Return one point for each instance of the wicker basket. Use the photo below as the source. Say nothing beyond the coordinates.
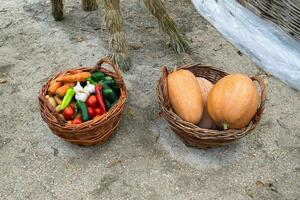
(286, 13)
(193, 135)
(94, 131)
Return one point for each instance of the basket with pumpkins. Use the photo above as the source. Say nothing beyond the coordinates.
(207, 107)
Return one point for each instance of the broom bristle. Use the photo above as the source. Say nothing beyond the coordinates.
(122, 60)
(57, 9)
(114, 21)
(89, 5)
(117, 42)
(167, 25)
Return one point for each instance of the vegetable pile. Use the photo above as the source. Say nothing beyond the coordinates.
(230, 103)
(81, 96)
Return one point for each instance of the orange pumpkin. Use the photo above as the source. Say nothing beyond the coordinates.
(185, 95)
(205, 87)
(233, 101)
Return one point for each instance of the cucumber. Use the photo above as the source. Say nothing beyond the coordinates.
(109, 81)
(116, 89)
(104, 85)
(97, 76)
(107, 104)
(109, 94)
(84, 110)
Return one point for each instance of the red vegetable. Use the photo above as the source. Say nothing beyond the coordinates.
(98, 111)
(92, 101)
(77, 121)
(68, 113)
(100, 98)
(92, 112)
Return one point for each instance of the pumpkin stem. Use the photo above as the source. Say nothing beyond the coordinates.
(225, 126)
(175, 69)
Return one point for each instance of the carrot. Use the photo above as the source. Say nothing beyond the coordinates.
(73, 78)
(54, 85)
(75, 71)
(63, 89)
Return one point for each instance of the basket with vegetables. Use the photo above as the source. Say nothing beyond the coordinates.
(207, 107)
(84, 105)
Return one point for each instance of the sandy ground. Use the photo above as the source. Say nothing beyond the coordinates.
(143, 160)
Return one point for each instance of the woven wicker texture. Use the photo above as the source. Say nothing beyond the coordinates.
(193, 135)
(94, 131)
(286, 13)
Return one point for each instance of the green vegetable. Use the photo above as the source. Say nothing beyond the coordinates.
(116, 100)
(97, 76)
(84, 111)
(104, 85)
(75, 109)
(91, 81)
(67, 98)
(116, 89)
(107, 104)
(109, 81)
(109, 94)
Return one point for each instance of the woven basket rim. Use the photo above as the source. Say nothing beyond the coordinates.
(193, 131)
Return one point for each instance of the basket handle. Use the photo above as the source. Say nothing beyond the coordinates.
(262, 96)
(108, 61)
(59, 119)
(165, 89)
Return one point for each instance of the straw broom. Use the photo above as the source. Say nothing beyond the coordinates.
(89, 5)
(117, 42)
(57, 9)
(166, 23)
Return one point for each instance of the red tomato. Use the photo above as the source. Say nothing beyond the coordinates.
(92, 101)
(68, 113)
(91, 112)
(77, 121)
(98, 111)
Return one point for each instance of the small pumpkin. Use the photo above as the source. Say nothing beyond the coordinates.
(233, 101)
(185, 95)
(205, 87)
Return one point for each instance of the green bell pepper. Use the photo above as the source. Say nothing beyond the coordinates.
(97, 76)
(67, 98)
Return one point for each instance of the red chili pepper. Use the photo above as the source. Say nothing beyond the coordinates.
(100, 97)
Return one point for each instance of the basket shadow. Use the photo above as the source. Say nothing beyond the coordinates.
(212, 158)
